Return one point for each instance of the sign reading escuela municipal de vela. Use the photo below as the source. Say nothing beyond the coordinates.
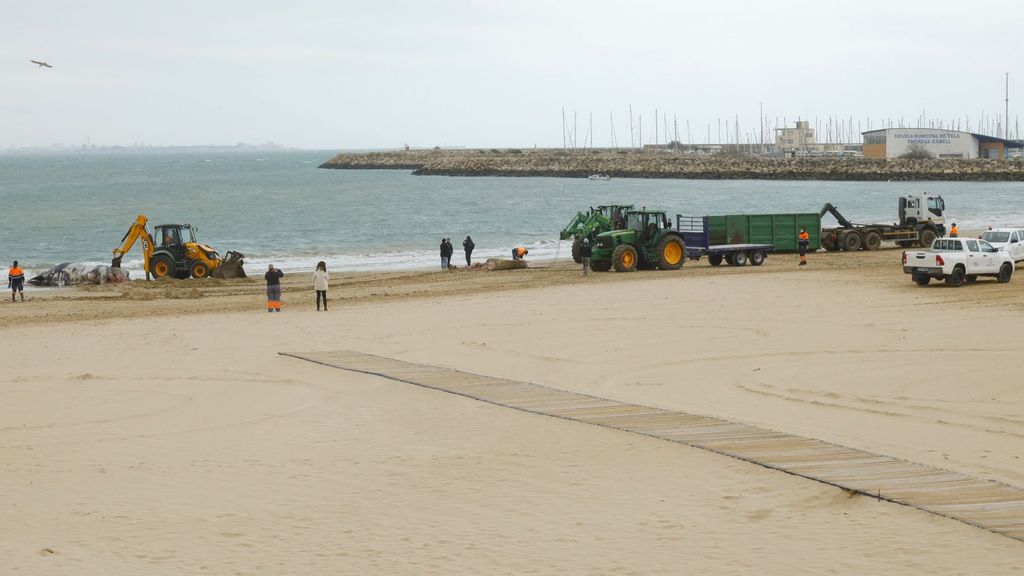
(939, 143)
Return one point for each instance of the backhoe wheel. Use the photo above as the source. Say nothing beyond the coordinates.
(1005, 271)
(161, 266)
(670, 253)
(624, 258)
(922, 279)
(714, 259)
(926, 237)
(600, 265)
(957, 278)
(851, 242)
(757, 258)
(199, 269)
(872, 241)
(738, 258)
(577, 246)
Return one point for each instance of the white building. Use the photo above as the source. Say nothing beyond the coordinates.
(897, 142)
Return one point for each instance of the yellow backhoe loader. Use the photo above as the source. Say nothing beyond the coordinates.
(177, 255)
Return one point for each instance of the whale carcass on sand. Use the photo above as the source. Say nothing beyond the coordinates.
(70, 273)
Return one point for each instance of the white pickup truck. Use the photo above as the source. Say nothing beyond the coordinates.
(958, 260)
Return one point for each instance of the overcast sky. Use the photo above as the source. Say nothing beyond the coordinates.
(345, 74)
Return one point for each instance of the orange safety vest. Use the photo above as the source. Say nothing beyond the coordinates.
(954, 232)
(805, 236)
(521, 251)
(16, 273)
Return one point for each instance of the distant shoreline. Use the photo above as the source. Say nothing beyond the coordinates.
(633, 164)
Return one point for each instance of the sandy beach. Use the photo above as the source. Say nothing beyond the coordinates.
(154, 428)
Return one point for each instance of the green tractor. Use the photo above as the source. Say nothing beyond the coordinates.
(593, 222)
(647, 241)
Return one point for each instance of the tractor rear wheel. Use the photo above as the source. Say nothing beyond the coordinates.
(199, 269)
(872, 241)
(670, 253)
(600, 265)
(161, 266)
(714, 259)
(625, 258)
(851, 242)
(577, 245)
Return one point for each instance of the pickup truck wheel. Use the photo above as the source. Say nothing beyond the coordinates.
(957, 278)
(714, 259)
(971, 278)
(922, 279)
(1005, 271)
(872, 241)
(851, 242)
(756, 258)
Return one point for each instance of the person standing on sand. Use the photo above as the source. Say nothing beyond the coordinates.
(802, 244)
(320, 279)
(468, 246)
(585, 256)
(273, 278)
(16, 281)
(444, 254)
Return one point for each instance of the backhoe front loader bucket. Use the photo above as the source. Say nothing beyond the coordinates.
(231, 266)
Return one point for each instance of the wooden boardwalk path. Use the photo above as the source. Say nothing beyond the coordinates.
(986, 504)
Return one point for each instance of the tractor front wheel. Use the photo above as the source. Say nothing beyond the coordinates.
(670, 253)
(577, 245)
(624, 258)
(199, 269)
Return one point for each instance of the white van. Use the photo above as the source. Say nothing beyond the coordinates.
(1009, 240)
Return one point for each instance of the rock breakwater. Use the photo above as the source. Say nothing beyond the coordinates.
(633, 164)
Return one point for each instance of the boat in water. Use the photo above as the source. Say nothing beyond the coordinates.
(599, 177)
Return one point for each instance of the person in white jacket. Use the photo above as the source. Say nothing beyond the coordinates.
(320, 279)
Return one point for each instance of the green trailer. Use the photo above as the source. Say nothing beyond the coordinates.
(780, 230)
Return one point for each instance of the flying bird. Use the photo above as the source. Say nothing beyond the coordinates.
(41, 64)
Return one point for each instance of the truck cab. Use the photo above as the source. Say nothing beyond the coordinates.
(922, 208)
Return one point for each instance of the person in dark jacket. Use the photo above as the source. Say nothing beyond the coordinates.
(585, 252)
(273, 278)
(444, 254)
(468, 246)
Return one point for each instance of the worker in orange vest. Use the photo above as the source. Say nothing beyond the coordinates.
(16, 281)
(954, 232)
(519, 252)
(805, 241)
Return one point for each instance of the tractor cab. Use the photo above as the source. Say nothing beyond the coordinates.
(647, 223)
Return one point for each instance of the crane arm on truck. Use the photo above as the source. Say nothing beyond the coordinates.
(828, 208)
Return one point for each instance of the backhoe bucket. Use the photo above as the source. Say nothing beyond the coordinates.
(231, 266)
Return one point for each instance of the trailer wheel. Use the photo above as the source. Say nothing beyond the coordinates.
(577, 246)
(1005, 271)
(957, 278)
(714, 259)
(738, 258)
(851, 242)
(922, 279)
(926, 237)
(757, 257)
(872, 241)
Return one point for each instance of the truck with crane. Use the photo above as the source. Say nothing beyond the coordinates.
(921, 221)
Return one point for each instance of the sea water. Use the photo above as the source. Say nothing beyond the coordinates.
(278, 207)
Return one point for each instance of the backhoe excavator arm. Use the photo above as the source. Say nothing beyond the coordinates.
(134, 233)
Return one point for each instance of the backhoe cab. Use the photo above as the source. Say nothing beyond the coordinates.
(174, 251)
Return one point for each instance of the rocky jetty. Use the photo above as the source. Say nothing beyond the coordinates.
(633, 164)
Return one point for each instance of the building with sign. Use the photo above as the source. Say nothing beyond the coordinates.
(897, 142)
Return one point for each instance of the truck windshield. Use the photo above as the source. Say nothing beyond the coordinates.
(996, 236)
